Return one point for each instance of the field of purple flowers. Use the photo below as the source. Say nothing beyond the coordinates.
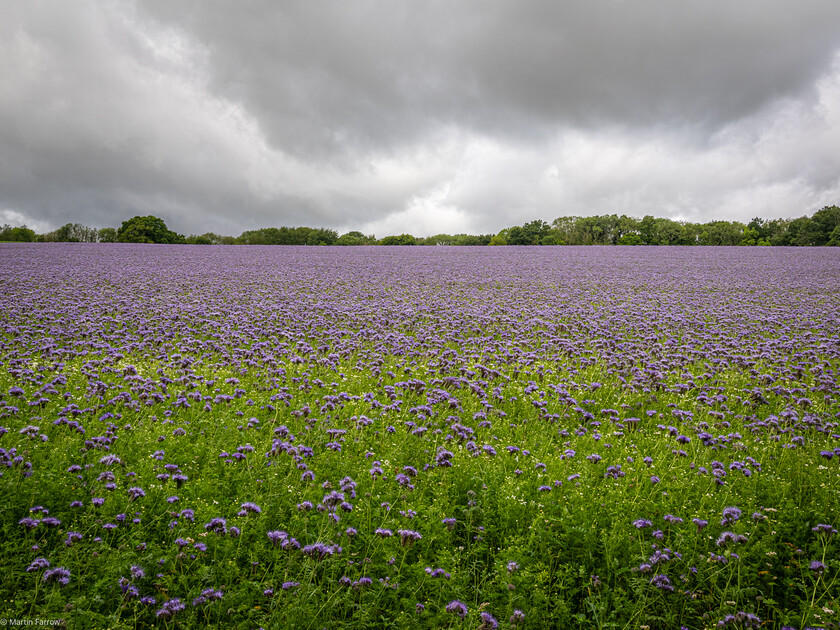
(384, 437)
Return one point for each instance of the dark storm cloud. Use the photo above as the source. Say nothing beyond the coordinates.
(415, 116)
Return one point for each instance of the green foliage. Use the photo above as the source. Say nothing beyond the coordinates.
(148, 229)
(289, 236)
(20, 234)
(72, 233)
(107, 235)
(630, 239)
(402, 239)
(356, 238)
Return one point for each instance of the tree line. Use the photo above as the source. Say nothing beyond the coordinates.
(823, 228)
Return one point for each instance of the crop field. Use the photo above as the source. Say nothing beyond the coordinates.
(397, 437)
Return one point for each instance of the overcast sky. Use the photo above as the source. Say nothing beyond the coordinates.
(409, 116)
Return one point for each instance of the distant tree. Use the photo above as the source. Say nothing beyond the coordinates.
(798, 232)
(834, 241)
(355, 238)
(107, 235)
(402, 239)
(823, 223)
(722, 233)
(647, 230)
(531, 233)
(630, 239)
(500, 238)
(148, 229)
(473, 239)
(20, 234)
(72, 233)
(553, 238)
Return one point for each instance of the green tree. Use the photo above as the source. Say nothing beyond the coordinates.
(630, 239)
(402, 239)
(107, 235)
(20, 234)
(356, 238)
(148, 229)
(823, 224)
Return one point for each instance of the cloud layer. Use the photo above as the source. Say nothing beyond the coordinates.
(415, 117)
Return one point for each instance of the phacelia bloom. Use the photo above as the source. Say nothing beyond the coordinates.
(289, 585)
(517, 617)
(72, 537)
(218, 525)
(512, 566)
(450, 523)
(137, 572)
(276, 536)
(251, 507)
(817, 567)
(488, 622)
(38, 564)
(136, 493)
(419, 607)
(383, 533)
(654, 479)
(351, 531)
(672, 519)
(168, 610)
(700, 523)
(29, 523)
(822, 528)
(662, 582)
(58, 574)
(642, 523)
(730, 537)
(594, 458)
(409, 536)
(730, 515)
(457, 608)
(98, 501)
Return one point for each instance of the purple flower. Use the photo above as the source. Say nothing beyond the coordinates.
(38, 564)
(276, 536)
(136, 493)
(730, 515)
(218, 525)
(488, 622)
(409, 536)
(662, 582)
(457, 608)
(642, 523)
(251, 507)
(58, 574)
(817, 567)
(168, 610)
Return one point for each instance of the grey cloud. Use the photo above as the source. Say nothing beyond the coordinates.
(415, 116)
(368, 75)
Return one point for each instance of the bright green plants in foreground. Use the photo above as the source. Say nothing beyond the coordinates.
(309, 439)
